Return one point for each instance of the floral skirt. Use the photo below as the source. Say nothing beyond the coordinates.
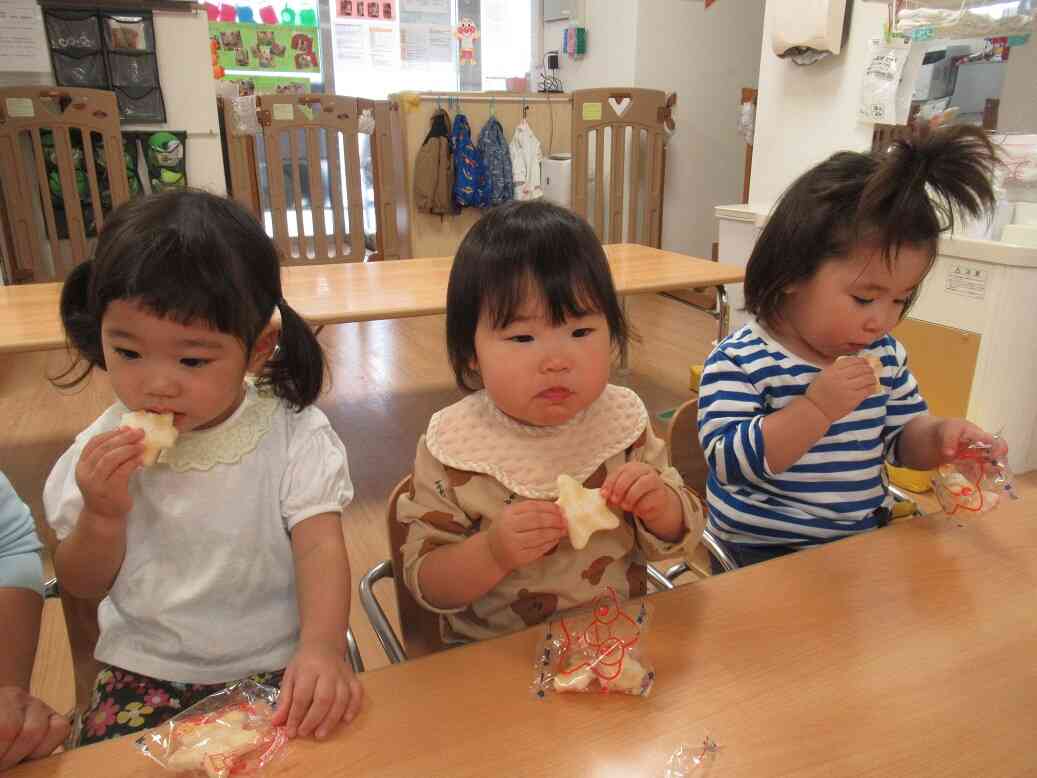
(125, 703)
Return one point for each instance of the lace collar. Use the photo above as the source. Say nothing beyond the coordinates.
(227, 443)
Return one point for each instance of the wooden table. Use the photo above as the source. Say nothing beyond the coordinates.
(334, 294)
(907, 651)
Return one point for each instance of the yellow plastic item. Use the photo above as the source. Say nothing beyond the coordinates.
(917, 481)
(902, 508)
(696, 377)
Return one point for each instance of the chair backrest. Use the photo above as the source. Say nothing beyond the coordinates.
(682, 439)
(61, 171)
(308, 152)
(619, 158)
(418, 626)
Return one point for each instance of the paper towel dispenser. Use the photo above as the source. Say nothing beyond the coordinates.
(807, 30)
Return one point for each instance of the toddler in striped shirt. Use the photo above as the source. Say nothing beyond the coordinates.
(800, 409)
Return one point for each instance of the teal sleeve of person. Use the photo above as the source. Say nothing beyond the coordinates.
(20, 564)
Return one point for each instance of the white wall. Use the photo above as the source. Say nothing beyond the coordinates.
(1018, 110)
(185, 72)
(808, 112)
(611, 43)
(706, 57)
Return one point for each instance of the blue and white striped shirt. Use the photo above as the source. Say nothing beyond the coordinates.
(837, 487)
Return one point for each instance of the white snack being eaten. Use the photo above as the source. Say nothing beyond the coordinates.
(874, 363)
(585, 510)
(159, 432)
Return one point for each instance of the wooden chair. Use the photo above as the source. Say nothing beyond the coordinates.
(420, 627)
(686, 455)
(310, 149)
(43, 242)
(608, 125)
(619, 164)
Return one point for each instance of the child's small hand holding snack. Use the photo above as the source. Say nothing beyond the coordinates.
(104, 470)
(842, 386)
(638, 488)
(525, 532)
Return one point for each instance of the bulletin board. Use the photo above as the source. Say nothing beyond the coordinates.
(260, 48)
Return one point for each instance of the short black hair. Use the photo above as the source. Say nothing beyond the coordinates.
(905, 195)
(191, 256)
(518, 247)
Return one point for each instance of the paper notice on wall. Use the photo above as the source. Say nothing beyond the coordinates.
(421, 44)
(433, 7)
(23, 41)
(440, 43)
(385, 53)
(350, 48)
(967, 281)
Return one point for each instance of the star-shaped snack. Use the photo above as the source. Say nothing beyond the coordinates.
(585, 510)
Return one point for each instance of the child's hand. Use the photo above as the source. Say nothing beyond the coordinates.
(638, 488)
(525, 532)
(104, 470)
(841, 387)
(318, 691)
(955, 434)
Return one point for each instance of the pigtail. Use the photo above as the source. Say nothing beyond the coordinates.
(82, 328)
(922, 181)
(296, 370)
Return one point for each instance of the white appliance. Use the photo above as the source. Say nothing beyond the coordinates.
(934, 77)
(556, 175)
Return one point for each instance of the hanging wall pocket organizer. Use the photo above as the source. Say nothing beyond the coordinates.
(76, 49)
(109, 50)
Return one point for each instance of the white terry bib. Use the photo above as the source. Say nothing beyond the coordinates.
(475, 435)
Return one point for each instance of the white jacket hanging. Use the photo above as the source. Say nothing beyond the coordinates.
(525, 162)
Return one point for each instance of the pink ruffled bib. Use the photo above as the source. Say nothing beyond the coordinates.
(474, 435)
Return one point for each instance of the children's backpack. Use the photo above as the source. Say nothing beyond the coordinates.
(433, 171)
(497, 158)
(471, 185)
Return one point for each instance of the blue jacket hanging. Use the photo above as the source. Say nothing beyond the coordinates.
(471, 184)
(497, 158)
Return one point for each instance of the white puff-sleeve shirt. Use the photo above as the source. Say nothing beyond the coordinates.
(206, 591)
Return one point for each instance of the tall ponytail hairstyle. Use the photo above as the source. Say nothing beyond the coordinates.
(906, 195)
(191, 256)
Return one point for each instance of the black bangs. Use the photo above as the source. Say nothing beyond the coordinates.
(903, 196)
(567, 289)
(177, 263)
(522, 253)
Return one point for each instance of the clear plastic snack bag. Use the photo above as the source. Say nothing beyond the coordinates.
(688, 759)
(228, 733)
(974, 482)
(596, 650)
